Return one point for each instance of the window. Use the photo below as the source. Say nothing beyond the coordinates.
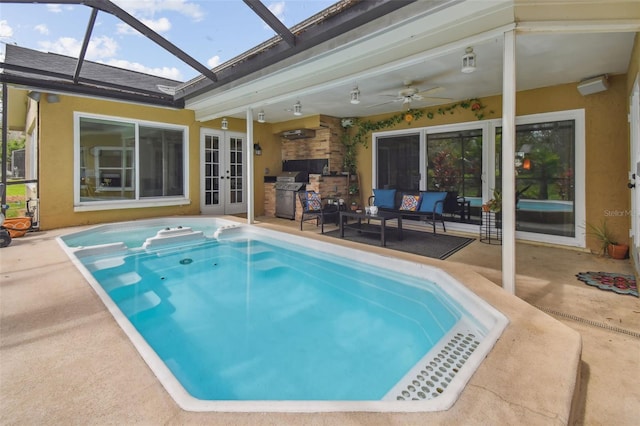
(121, 162)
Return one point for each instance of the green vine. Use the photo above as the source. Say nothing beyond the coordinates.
(365, 127)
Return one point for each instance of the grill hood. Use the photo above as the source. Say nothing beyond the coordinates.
(298, 134)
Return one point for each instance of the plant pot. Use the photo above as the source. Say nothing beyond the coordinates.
(485, 208)
(618, 251)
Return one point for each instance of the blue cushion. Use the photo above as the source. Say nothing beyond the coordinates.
(428, 199)
(384, 198)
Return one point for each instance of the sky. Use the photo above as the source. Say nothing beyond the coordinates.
(211, 31)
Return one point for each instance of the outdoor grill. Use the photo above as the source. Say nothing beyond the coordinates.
(287, 186)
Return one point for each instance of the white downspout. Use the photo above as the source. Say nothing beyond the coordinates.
(508, 167)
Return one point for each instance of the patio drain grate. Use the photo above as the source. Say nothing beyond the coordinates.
(434, 376)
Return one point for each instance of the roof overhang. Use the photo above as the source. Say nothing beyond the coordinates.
(410, 34)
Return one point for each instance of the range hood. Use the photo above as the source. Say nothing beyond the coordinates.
(298, 134)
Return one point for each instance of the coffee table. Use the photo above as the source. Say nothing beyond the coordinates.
(367, 227)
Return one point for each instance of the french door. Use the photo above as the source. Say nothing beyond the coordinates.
(223, 172)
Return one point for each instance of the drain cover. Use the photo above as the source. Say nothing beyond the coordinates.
(186, 261)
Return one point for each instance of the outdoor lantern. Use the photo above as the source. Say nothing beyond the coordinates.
(526, 164)
(225, 124)
(257, 149)
(297, 108)
(355, 96)
(469, 61)
(261, 117)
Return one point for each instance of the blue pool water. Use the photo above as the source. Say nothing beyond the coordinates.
(134, 234)
(245, 315)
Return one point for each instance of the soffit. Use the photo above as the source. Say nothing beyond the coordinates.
(412, 35)
(427, 50)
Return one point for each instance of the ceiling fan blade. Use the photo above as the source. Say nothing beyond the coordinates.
(431, 91)
(382, 103)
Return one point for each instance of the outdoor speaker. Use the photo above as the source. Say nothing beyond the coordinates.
(593, 85)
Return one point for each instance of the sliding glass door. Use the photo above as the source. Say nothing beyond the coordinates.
(465, 160)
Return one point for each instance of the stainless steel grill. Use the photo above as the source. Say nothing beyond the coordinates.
(287, 186)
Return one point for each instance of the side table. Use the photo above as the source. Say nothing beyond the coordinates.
(491, 228)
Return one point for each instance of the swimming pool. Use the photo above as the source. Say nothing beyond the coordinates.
(381, 318)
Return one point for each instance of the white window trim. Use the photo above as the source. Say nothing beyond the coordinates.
(488, 128)
(80, 206)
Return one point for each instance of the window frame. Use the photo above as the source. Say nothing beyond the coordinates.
(137, 201)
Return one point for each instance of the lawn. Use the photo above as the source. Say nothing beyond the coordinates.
(16, 197)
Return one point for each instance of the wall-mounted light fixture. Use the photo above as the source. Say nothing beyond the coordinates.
(52, 98)
(297, 108)
(35, 96)
(355, 95)
(261, 117)
(225, 124)
(257, 149)
(469, 61)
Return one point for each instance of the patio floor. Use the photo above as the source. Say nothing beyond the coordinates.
(63, 359)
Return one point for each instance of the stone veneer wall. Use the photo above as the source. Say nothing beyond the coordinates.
(325, 144)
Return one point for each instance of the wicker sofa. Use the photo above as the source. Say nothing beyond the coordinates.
(426, 206)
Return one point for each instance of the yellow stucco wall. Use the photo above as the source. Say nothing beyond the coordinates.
(56, 160)
(607, 144)
(607, 151)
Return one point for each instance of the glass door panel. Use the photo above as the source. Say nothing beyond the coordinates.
(398, 162)
(454, 164)
(545, 182)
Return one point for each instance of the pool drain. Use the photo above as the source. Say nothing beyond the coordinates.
(186, 261)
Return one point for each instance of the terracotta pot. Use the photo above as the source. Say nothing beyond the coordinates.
(485, 208)
(617, 251)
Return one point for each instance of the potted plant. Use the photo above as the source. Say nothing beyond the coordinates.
(608, 242)
(495, 203)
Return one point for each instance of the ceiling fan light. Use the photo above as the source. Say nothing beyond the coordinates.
(355, 96)
(468, 61)
(261, 117)
(297, 108)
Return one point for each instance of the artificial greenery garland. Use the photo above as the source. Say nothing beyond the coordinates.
(408, 116)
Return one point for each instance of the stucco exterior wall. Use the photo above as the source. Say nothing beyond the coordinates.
(606, 128)
(56, 161)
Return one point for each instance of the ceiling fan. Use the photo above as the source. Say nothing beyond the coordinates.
(411, 93)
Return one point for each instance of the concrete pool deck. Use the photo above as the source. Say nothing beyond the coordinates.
(63, 358)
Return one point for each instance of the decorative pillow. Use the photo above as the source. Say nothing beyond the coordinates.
(384, 198)
(410, 202)
(314, 202)
(429, 199)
